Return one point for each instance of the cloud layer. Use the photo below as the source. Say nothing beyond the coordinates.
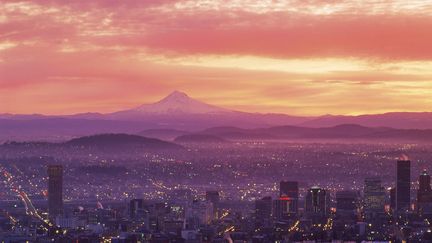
(299, 57)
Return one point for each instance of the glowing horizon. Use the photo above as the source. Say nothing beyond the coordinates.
(294, 57)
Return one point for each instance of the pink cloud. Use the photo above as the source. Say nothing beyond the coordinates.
(382, 37)
(160, 27)
(76, 54)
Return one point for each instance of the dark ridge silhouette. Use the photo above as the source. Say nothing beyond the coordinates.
(121, 140)
(180, 112)
(238, 133)
(26, 144)
(340, 131)
(163, 134)
(345, 132)
(400, 120)
(224, 134)
(199, 138)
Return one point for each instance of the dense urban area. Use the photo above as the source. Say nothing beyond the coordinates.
(216, 192)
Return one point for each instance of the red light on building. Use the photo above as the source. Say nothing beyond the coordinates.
(286, 198)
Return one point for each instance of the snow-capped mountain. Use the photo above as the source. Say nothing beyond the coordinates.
(180, 112)
(175, 111)
(179, 102)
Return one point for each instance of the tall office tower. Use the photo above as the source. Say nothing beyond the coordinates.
(403, 185)
(285, 208)
(346, 203)
(263, 212)
(136, 207)
(317, 202)
(55, 190)
(424, 186)
(289, 195)
(424, 193)
(198, 213)
(289, 188)
(374, 196)
(213, 197)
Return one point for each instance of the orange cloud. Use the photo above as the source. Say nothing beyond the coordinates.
(301, 57)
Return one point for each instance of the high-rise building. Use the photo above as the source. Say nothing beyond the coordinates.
(317, 201)
(424, 193)
(287, 204)
(136, 206)
(424, 186)
(288, 189)
(198, 213)
(403, 185)
(346, 203)
(374, 196)
(285, 208)
(263, 211)
(55, 191)
(213, 197)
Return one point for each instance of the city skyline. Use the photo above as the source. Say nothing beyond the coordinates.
(326, 213)
(215, 121)
(292, 57)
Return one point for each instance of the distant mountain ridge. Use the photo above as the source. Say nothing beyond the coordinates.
(164, 134)
(347, 132)
(178, 111)
(199, 138)
(405, 120)
(121, 140)
(107, 141)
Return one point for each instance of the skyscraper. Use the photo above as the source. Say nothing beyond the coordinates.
(198, 213)
(424, 193)
(374, 196)
(288, 197)
(424, 185)
(213, 197)
(55, 190)
(285, 208)
(136, 207)
(289, 188)
(403, 185)
(263, 211)
(317, 202)
(346, 203)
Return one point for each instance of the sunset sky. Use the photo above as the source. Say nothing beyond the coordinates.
(301, 57)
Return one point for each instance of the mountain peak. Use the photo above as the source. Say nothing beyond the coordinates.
(176, 96)
(179, 102)
(177, 93)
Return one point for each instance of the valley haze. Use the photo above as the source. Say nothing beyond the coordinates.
(178, 114)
